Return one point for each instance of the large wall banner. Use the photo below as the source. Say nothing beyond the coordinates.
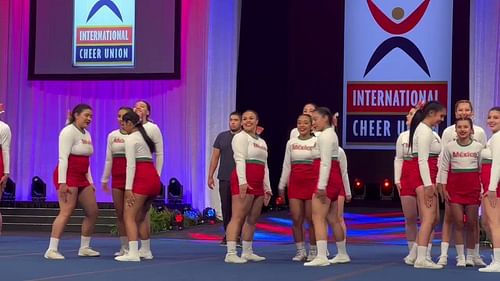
(103, 33)
(396, 53)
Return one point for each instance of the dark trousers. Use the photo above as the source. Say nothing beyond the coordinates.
(225, 200)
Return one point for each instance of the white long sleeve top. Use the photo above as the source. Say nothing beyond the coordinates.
(76, 142)
(156, 136)
(115, 147)
(402, 152)
(425, 143)
(297, 151)
(343, 171)
(247, 148)
(494, 147)
(135, 148)
(460, 158)
(5, 139)
(327, 149)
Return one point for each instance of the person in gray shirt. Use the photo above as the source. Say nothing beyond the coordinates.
(223, 151)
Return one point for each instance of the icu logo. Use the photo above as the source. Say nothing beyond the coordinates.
(397, 29)
(108, 3)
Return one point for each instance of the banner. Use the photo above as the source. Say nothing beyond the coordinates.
(396, 53)
(103, 34)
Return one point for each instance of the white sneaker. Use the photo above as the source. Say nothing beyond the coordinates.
(340, 258)
(123, 251)
(410, 260)
(147, 255)
(300, 256)
(128, 257)
(88, 252)
(51, 254)
(312, 255)
(478, 261)
(318, 261)
(493, 267)
(233, 258)
(425, 263)
(253, 257)
(443, 260)
(461, 261)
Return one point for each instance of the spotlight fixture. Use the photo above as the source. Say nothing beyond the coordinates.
(175, 191)
(358, 189)
(38, 189)
(386, 190)
(209, 215)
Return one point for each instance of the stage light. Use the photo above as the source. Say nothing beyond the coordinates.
(38, 189)
(9, 193)
(209, 215)
(179, 221)
(280, 201)
(386, 190)
(175, 191)
(193, 214)
(359, 189)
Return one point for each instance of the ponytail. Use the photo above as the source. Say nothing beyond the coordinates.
(420, 114)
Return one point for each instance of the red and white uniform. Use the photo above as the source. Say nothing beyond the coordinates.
(5, 138)
(346, 186)
(297, 172)
(425, 151)
(459, 170)
(326, 164)
(155, 134)
(402, 164)
(116, 162)
(75, 148)
(490, 165)
(142, 177)
(250, 156)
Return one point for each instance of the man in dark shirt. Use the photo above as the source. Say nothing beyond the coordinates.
(223, 151)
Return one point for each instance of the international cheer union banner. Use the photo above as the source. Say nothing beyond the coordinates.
(396, 53)
(103, 33)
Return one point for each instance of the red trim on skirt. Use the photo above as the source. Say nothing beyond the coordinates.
(485, 178)
(464, 188)
(405, 181)
(334, 184)
(146, 179)
(118, 172)
(302, 183)
(255, 179)
(76, 175)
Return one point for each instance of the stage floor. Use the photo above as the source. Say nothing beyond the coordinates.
(376, 245)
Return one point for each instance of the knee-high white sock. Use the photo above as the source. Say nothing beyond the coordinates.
(133, 248)
(85, 242)
(54, 243)
(444, 248)
(247, 248)
(322, 245)
(146, 245)
(341, 248)
(231, 247)
(421, 253)
(476, 250)
(460, 250)
(471, 252)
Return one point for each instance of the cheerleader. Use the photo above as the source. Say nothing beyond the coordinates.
(326, 168)
(142, 182)
(250, 187)
(115, 166)
(407, 193)
(463, 109)
(298, 175)
(307, 110)
(425, 147)
(74, 182)
(5, 138)
(336, 219)
(143, 109)
(491, 187)
(459, 173)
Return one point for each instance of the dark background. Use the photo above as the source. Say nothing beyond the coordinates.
(291, 53)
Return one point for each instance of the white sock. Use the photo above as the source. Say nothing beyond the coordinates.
(124, 242)
(313, 248)
(54, 243)
(413, 251)
(322, 245)
(429, 250)
(471, 252)
(85, 242)
(247, 248)
(410, 245)
(300, 246)
(146, 245)
(496, 254)
(476, 250)
(421, 253)
(444, 248)
(133, 248)
(460, 250)
(341, 248)
(231, 247)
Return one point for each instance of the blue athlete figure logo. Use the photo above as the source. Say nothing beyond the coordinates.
(101, 3)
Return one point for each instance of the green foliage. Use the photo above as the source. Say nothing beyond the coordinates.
(160, 220)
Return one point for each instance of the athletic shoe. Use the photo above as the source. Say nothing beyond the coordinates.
(493, 267)
(340, 258)
(312, 254)
(426, 264)
(410, 260)
(461, 261)
(478, 261)
(51, 254)
(301, 255)
(147, 255)
(128, 257)
(443, 260)
(123, 251)
(233, 258)
(253, 257)
(318, 261)
(88, 252)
